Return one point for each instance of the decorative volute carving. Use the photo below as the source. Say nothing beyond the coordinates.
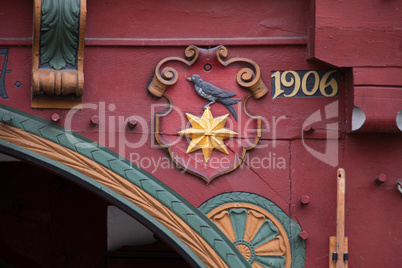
(248, 78)
(167, 77)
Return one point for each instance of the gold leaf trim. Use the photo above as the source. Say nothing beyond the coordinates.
(240, 158)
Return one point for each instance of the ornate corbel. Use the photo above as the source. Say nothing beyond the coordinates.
(58, 53)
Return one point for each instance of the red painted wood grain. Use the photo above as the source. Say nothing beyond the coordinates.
(125, 41)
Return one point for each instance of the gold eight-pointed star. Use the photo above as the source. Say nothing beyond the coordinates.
(207, 133)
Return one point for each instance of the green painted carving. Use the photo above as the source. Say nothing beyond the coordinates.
(272, 262)
(59, 28)
(266, 233)
(238, 218)
(111, 160)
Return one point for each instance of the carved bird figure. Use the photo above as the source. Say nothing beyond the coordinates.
(214, 94)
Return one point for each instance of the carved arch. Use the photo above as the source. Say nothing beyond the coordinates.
(102, 171)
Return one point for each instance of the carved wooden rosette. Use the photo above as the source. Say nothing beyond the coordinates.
(256, 233)
(166, 77)
(58, 53)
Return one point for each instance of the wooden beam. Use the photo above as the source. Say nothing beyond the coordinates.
(339, 245)
(340, 218)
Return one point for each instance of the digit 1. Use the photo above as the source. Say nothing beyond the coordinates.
(277, 88)
(295, 81)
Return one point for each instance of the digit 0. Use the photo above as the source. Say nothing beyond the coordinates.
(316, 82)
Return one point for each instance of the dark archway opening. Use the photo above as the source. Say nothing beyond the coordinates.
(49, 221)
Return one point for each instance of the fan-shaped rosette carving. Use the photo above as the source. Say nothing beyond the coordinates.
(257, 234)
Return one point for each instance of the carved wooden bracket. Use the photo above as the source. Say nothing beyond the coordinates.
(58, 53)
(247, 78)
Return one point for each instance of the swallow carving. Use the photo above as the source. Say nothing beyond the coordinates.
(214, 94)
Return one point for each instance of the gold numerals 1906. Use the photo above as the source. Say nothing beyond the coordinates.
(287, 84)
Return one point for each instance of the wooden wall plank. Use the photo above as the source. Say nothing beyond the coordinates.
(355, 13)
(350, 47)
(198, 19)
(389, 76)
(349, 33)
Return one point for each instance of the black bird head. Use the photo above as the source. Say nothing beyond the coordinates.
(195, 78)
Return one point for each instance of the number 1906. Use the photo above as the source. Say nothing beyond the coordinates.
(287, 84)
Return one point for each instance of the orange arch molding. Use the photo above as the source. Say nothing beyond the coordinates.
(100, 170)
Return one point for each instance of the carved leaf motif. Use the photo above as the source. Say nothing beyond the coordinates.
(274, 247)
(238, 218)
(58, 44)
(267, 232)
(222, 220)
(254, 222)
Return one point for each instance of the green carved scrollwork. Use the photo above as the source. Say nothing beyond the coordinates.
(59, 27)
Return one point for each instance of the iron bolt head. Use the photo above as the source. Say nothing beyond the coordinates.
(95, 120)
(55, 117)
(132, 123)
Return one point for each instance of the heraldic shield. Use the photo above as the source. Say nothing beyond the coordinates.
(205, 125)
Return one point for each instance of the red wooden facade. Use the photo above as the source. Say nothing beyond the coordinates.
(305, 138)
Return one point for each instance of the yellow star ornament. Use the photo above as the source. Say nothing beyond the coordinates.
(207, 133)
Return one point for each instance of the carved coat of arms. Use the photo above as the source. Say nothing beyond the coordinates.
(205, 126)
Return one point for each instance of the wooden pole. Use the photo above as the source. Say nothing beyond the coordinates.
(340, 218)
